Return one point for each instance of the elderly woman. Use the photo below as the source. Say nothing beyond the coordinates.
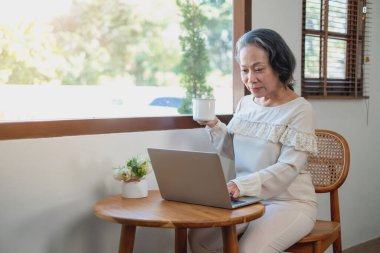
(269, 139)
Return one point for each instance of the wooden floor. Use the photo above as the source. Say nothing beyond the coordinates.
(372, 246)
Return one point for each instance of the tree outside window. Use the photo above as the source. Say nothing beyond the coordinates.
(111, 58)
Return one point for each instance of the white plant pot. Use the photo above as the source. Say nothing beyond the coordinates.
(134, 189)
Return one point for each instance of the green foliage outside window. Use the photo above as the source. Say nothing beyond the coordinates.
(101, 40)
(195, 62)
(96, 41)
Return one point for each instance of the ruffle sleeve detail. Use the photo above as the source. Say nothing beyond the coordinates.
(301, 141)
(260, 130)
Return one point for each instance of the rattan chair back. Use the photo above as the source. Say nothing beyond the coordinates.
(329, 169)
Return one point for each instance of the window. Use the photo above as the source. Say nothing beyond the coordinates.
(98, 125)
(333, 48)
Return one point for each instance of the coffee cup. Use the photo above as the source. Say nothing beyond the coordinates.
(203, 109)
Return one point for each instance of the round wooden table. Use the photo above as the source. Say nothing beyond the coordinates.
(153, 211)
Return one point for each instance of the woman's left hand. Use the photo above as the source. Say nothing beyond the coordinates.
(233, 190)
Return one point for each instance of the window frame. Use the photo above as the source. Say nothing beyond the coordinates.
(58, 128)
(352, 77)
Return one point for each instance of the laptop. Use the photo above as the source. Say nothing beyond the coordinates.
(193, 177)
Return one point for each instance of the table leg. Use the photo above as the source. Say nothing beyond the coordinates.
(127, 238)
(180, 240)
(230, 241)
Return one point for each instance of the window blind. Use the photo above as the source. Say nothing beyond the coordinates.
(334, 48)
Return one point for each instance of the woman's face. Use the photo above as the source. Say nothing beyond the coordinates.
(257, 74)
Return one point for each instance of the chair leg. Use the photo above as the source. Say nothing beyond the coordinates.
(337, 245)
(317, 247)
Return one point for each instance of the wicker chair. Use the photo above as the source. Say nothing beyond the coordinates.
(329, 169)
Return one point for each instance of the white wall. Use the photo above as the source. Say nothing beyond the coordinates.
(48, 186)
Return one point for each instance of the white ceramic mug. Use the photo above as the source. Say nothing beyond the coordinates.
(203, 109)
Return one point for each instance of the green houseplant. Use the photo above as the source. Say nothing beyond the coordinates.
(132, 175)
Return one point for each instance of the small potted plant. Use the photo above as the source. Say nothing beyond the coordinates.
(132, 175)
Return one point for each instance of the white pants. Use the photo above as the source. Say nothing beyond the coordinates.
(282, 225)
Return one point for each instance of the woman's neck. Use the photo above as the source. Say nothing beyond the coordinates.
(281, 97)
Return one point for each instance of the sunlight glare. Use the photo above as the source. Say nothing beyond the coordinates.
(12, 12)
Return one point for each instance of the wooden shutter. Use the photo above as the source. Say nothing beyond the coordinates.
(333, 48)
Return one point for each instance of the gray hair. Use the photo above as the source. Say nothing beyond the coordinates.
(281, 58)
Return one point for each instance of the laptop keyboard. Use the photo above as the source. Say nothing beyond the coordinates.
(234, 202)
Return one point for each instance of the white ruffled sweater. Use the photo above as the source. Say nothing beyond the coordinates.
(270, 146)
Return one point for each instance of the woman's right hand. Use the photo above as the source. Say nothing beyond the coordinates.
(233, 190)
(209, 123)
